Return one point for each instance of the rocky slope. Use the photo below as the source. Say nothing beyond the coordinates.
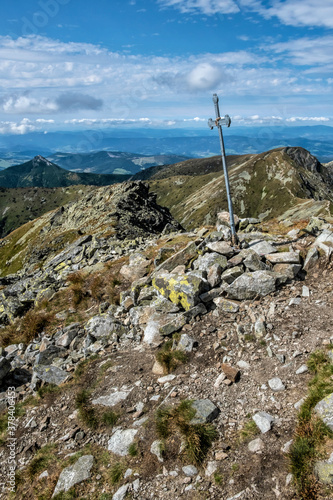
(161, 365)
(267, 185)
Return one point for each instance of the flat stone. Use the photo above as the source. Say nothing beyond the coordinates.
(121, 440)
(211, 468)
(50, 374)
(256, 445)
(190, 470)
(311, 258)
(283, 258)
(325, 410)
(167, 378)
(74, 474)
(183, 257)
(221, 247)
(262, 247)
(111, 399)
(276, 384)
(206, 411)
(225, 305)
(302, 369)
(232, 373)
(289, 270)
(263, 421)
(252, 285)
(243, 365)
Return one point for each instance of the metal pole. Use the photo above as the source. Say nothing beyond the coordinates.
(225, 170)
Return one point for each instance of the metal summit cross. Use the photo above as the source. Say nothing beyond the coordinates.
(218, 123)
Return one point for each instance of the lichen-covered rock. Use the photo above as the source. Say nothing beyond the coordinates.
(226, 305)
(206, 261)
(252, 262)
(250, 285)
(324, 472)
(74, 474)
(183, 290)
(289, 270)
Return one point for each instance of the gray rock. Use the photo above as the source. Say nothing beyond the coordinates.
(251, 285)
(199, 309)
(49, 354)
(263, 421)
(112, 399)
(183, 257)
(302, 369)
(190, 470)
(276, 384)
(206, 261)
(50, 374)
(262, 247)
(121, 492)
(206, 411)
(121, 440)
(69, 333)
(324, 410)
(74, 474)
(156, 449)
(166, 378)
(186, 343)
(183, 290)
(253, 262)
(211, 467)
(231, 274)
(5, 367)
(259, 329)
(255, 445)
(103, 326)
(289, 270)
(283, 258)
(214, 275)
(221, 247)
(311, 258)
(225, 305)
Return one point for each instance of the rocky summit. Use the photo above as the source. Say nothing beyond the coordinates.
(140, 360)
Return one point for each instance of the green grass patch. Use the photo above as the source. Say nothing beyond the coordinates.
(86, 411)
(110, 418)
(133, 449)
(117, 471)
(43, 458)
(198, 437)
(249, 431)
(311, 433)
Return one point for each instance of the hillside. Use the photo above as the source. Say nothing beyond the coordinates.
(265, 185)
(153, 363)
(40, 172)
(111, 162)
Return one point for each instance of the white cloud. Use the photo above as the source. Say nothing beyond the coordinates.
(294, 119)
(302, 12)
(307, 51)
(207, 7)
(22, 127)
(204, 77)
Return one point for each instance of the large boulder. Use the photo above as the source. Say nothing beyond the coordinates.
(252, 285)
(206, 261)
(103, 326)
(181, 289)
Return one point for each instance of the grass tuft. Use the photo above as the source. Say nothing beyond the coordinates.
(86, 412)
(198, 437)
(170, 358)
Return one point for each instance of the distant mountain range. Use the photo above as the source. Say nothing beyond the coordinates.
(191, 143)
(40, 172)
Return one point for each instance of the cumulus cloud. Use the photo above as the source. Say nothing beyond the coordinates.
(18, 128)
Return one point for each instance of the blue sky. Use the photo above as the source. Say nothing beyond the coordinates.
(78, 64)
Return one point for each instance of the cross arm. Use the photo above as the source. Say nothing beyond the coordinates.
(219, 122)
